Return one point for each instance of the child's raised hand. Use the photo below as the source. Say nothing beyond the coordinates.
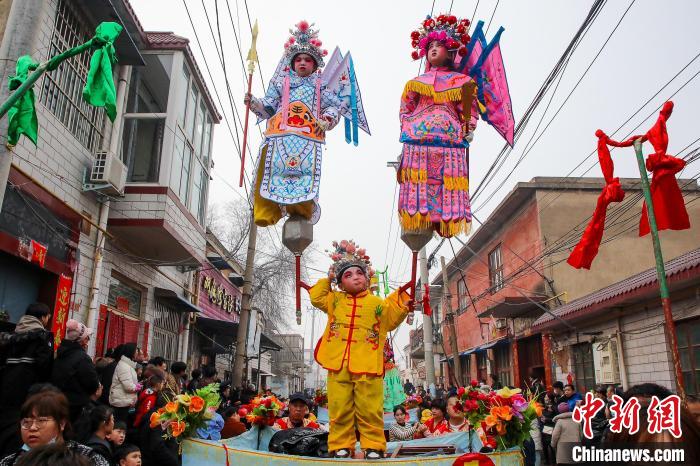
(247, 98)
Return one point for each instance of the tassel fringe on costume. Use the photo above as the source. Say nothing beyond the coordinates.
(446, 229)
(450, 95)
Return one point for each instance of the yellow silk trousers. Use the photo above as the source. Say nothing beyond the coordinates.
(267, 212)
(355, 400)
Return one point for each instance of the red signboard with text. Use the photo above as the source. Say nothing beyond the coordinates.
(218, 298)
(61, 308)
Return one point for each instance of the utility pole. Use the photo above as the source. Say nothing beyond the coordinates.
(661, 273)
(450, 318)
(427, 326)
(241, 340)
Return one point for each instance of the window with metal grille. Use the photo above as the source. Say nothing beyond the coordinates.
(689, 350)
(166, 329)
(583, 367)
(62, 89)
(496, 269)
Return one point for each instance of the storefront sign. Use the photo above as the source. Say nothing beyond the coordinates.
(38, 253)
(219, 296)
(61, 308)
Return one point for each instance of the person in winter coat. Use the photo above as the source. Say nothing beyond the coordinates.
(148, 398)
(101, 425)
(566, 431)
(73, 370)
(125, 384)
(26, 357)
(156, 450)
(536, 437)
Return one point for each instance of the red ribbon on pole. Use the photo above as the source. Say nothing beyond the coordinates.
(667, 198)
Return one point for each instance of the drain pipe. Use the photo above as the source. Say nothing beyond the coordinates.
(94, 292)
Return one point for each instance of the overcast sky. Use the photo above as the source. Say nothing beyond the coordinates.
(653, 42)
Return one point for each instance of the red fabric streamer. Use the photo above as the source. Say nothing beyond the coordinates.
(426, 301)
(669, 206)
(585, 251)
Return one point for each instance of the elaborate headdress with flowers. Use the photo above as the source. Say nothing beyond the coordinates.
(347, 254)
(304, 40)
(447, 29)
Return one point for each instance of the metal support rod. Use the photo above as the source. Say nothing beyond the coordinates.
(660, 272)
(241, 345)
(427, 326)
(449, 316)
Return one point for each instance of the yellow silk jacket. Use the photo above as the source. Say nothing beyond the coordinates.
(356, 328)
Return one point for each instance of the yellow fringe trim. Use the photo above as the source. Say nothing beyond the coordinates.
(445, 229)
(413, 175)
(449, 229)
(460, 183)
(414, 222)
(450, 95)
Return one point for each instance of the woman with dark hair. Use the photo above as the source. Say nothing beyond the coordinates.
(436, 425)
(44, 421)
(401, 429)
(53, 455)
(101, 425)
(125, 383)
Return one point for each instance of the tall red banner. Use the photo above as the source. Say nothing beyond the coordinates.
(61, 308)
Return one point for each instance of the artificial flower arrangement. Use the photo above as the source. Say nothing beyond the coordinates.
(413, 401)
(321, 398)
(449, 30)
(264, 410)
(505, 415)
(183, 415)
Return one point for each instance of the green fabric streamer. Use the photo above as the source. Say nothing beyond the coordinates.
(22, 115)
(99, 89)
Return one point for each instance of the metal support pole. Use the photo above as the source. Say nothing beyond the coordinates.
(241, 342)
(660, 272)
(449, 316)
(427, 327)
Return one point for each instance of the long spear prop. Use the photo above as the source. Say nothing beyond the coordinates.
(252, 58)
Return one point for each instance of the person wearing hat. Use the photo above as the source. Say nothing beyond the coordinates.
(299, 407)
(351, 349)
(73, 370)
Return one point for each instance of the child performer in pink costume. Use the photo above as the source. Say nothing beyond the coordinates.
(438, 117)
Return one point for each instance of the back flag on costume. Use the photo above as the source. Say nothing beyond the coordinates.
(484, 63)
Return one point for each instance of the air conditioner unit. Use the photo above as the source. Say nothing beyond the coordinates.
(110, 171)
(500, 324)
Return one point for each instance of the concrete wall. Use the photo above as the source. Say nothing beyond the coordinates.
(646, 353)
(626, 255)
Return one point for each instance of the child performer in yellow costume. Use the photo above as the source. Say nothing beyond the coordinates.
(351, 349)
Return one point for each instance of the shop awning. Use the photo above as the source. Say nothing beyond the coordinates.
(493, 344)
(513, 306)
(223, 334)
(174, 301)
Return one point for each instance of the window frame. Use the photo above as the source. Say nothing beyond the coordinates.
(198, 144)
(495, 261)
(687, 348)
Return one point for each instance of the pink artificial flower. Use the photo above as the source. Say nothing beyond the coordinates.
(291, 40)
(344, 244)
(303, 25)
(361, 252)
(351, 248)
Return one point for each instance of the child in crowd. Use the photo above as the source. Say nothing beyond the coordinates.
(128, 455)
(147, 398)
(118, 434)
